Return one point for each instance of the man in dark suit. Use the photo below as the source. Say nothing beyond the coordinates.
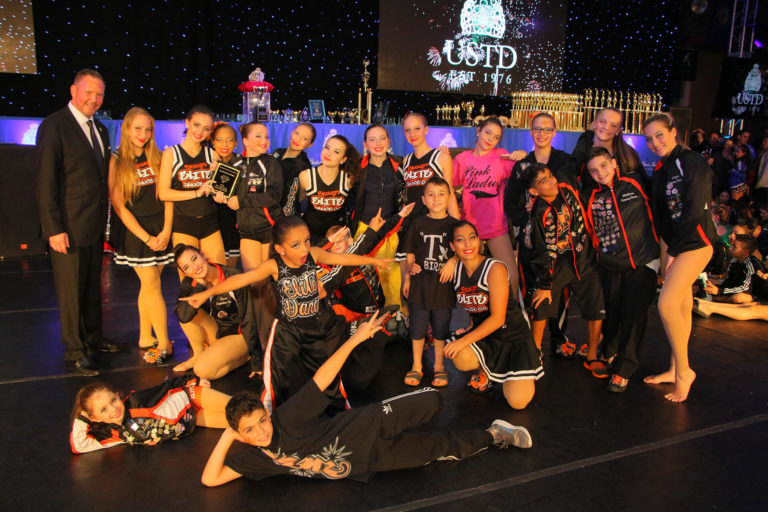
(72, 158)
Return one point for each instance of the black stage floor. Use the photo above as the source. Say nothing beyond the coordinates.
(592, 450)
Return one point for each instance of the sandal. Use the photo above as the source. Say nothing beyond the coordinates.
(413, 378)
(157, 357)
(440, 379)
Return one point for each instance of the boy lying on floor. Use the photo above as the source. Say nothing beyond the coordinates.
(299, 439)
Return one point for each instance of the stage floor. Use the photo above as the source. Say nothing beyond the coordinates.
(592, 450)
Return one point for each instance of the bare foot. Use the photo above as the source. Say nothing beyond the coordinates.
(186, 365)
(682, 387)
(668, 377)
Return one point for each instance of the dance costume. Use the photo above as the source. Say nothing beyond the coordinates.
(149, 212)
(326, 204)
(304, 329)
(509, 352)
(292, 167)
(627, 255)
(259, 194)
(194, 217)
(233, 312)
(681, 185)
(416, 172)
(160, 413)
(356, 443)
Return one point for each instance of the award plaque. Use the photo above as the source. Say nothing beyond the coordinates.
(225, 179)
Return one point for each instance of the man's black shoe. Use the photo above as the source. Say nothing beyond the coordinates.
(83, 367)
(106, 345)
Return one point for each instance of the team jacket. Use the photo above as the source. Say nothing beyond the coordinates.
(233, 312)
(152, 415)
(259, 193)
(681, 188)
(623, 233)
(358, 289)
(546, 230)
(740, 276)
(360, 186)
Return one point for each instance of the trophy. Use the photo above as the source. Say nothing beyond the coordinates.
(256, 97)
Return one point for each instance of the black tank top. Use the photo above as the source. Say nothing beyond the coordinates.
(145, 203)
(298, 302)
(416, 172)
(472, 291)
(325, 204)
(190, 173)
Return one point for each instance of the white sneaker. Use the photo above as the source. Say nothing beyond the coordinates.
(505, 434)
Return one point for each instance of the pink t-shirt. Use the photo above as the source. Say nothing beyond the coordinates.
(483, 179)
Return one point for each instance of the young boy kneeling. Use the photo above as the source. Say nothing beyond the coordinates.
(299, 439)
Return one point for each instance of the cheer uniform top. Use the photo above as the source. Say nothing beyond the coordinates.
(292, 167)
(326, 204)
(149, 212)
(189, 173)
(160, 413)
(483, 180)
(681, 185)
(259, 193)
(509, 352)
(233, 312)
(623, 233)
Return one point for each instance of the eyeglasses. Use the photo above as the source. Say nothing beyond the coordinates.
(546, 131)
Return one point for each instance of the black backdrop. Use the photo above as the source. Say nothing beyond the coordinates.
(169, 55)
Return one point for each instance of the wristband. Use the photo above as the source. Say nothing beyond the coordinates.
(148, 239)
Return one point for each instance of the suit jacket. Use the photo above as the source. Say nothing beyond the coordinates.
(71, 186)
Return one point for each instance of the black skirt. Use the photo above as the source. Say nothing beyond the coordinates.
(133, 252)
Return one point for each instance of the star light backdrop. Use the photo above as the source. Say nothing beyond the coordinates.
(169, 55)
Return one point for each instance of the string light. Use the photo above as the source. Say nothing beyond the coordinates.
(171, 54)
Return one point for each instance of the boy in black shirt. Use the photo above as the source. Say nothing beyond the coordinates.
(299, 439)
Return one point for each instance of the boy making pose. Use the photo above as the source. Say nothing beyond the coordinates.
(563, 257)
(298, 439)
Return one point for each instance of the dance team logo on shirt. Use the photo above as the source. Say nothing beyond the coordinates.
(194, 175)
(473, 300)
(300, 295)
(328, 201)
(332, 463)
(417, 175)
(433, 261)
(144, 174)
(480, 182)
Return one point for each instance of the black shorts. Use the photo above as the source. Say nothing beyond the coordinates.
(264, 236)
(228, 227)
(134, 252)
(588, 292)
(421, 318)
(198, 227)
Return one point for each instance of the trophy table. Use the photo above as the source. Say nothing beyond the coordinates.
(256, 97)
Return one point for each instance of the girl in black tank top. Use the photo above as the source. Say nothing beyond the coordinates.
(420, 165)
(184, 180)
(303, 322)
(145, 227)
(328, 186)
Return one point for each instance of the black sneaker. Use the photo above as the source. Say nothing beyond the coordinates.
(505, 434)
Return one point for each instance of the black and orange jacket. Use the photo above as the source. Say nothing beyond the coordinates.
(623, 232)
(545, 233)
(160, 413)
(259, 193)
(356, 291)
(360, 188)
(234, 312)
(681, 189)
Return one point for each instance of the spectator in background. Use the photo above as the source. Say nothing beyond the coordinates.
(742, 137)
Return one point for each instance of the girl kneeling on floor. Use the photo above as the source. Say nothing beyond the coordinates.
(169, 411)
(500, 342)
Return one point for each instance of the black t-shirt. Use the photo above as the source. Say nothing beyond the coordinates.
(428, 240)
(306, 442)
